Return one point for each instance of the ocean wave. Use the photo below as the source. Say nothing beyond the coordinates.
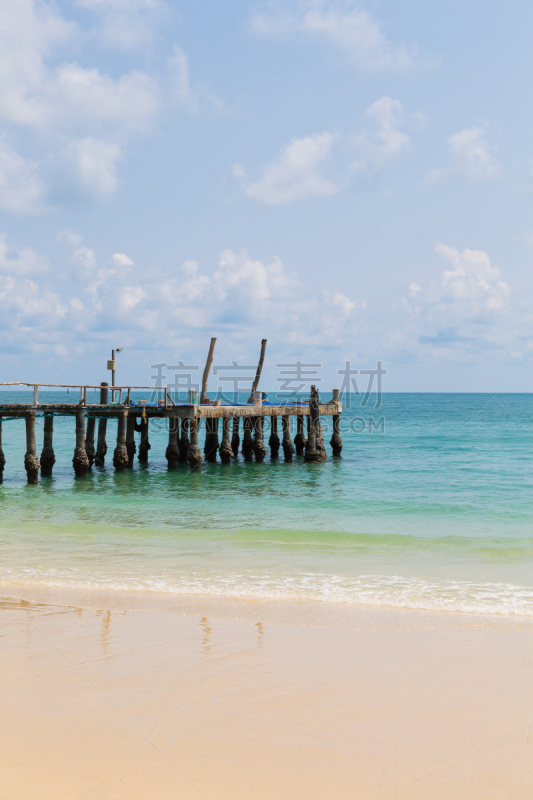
(364, 590)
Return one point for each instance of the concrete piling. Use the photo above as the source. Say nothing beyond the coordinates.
(299, 440)
(120, 456)
(183, 444)
(312, 453)
(144, 445)
(2, 456)
(247, 442)
(101, 447)
(131, 447)
(211, 439)
(195, 454)
(260, 450)
(173, 454)
(226, 452)
(48, 458)
(273, 441)
(80, 462)
(235, 439)
(89, 442)
(288, 447)
(31, 461)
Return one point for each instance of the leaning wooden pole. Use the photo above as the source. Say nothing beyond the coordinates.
(205, 376)
(258, 371)
(312, 453)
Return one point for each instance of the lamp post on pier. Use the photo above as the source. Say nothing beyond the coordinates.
(111, 365)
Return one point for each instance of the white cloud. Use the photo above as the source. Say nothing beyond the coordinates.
(340, 23)
(237, 170)
(126, 24)
(472, 153)
(473, 282)
(22, 262)
(296, 173)
(121, 260)
(179, 81)
(465, 311)
(45, 97)
(21, 189)
(384, 139)
(85, 257)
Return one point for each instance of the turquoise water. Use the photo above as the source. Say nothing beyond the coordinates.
(433, 510)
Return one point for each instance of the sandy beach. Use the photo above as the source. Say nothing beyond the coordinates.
(108, 696)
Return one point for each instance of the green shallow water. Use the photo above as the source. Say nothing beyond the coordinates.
(435, 512)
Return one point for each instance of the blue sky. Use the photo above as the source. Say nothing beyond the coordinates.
(351, 181)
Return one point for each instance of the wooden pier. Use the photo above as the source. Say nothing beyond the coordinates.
(184, 424)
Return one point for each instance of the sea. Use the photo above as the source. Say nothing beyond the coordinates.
(429, 507)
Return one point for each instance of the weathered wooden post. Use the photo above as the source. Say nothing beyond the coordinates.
(258, 371)
(211, 439)
(145, 445)
(247, 443)
(80, 462)
(130, 438)
(336, 441)
(288, 447)
(273, 441)
(101, 446)
(205, 376)
(120, 456)
(312, 454)
(226, 452)
(2, 456)
(172, 454)
(89, 442)
(235, 439)
(299, 440)
(184, 440)
(31, 462)
(48, 458)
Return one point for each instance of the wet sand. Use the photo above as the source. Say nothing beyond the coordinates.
(108, 697)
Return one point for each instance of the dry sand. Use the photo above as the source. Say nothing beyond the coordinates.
(107, 696)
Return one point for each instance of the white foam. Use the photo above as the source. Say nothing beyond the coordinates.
(364, 590)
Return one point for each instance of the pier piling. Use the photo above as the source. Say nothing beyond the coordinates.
(172, 454)
(247, 443)
(120, 456)
(144, 445)
(31, 461)
(226, 452)
(235, 439)
(2, 456)
(130, 439)
(273, 441)
(101, 447)
(288, 447)
(312, 453)
(48, 458)
(299, 440)
(211, 439)
(80, 462)
(89, 442)
(184, 441)
(260, 450)
(336, 441)
(195, 454)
